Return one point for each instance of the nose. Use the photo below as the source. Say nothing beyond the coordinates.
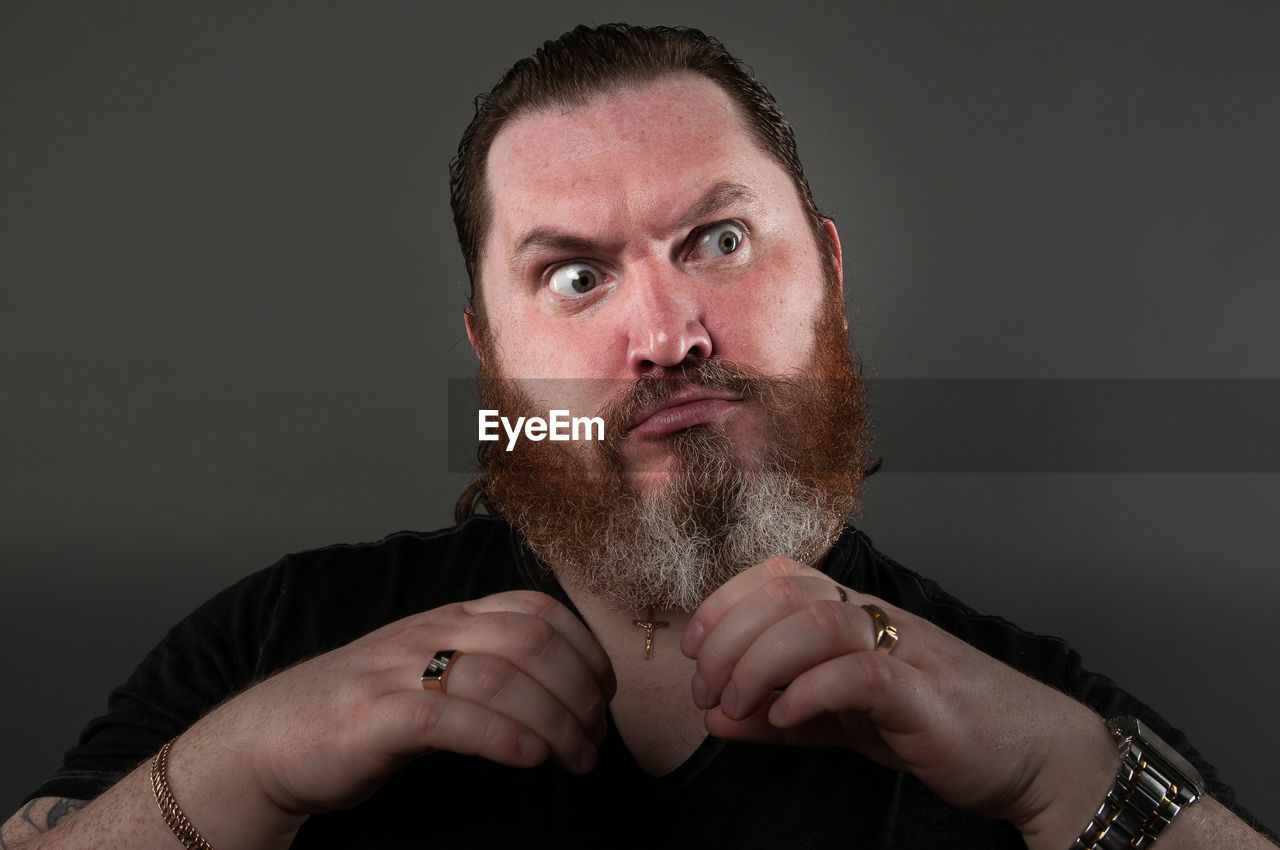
(667, 322)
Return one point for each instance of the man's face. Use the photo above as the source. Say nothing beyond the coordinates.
(647, 263)
(637, 231)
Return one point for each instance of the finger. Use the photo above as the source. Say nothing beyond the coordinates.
(412, 724)
(729, 594)
(849, 730)
(894, 696)
(541, 652)
(755, 727)
(502, 687)
(744, 624)
(799, 641)
(563, 621)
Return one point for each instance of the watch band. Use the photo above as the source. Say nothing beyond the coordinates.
(1153, 785)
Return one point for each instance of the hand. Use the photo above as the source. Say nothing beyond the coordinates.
(981, 735)
(530, 682)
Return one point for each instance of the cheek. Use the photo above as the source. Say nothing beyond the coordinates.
(770, 324)
(557, 367)
(560, 351)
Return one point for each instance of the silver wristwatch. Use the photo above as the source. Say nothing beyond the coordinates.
(1154, 784)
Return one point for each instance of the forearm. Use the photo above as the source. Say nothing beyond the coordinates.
(226, 810)
(1065, 798)
(1209, 824)
(1090, 773)
(1205, 825)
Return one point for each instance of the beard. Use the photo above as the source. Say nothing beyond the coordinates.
(709, 513)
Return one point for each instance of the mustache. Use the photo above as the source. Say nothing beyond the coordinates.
(654, 389)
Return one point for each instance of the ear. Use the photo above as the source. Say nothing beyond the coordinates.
(836, 257)
(473, 333)
(834, 239)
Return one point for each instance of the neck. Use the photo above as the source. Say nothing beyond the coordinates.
(653, 710)
(625, 641)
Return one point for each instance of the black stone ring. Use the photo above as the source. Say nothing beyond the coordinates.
(433, 678)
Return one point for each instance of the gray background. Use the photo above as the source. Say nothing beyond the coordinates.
(229, 305)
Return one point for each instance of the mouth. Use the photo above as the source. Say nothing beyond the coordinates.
(694, 406)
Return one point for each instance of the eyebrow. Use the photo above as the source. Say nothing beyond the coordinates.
(715, 200)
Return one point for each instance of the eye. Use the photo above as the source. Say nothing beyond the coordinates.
(718, 240)
(574, 279)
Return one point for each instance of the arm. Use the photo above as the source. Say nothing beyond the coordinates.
(36, 818)
(126, 816)
(530, 683)
(983, 736)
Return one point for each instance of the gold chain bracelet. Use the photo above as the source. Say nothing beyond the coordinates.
(172, 813)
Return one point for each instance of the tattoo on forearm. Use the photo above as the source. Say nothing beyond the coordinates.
(62, 810)
(26, 814)
(38, 817)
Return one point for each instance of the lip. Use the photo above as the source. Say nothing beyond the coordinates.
(685, 409)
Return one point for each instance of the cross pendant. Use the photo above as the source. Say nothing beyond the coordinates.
(650, 625)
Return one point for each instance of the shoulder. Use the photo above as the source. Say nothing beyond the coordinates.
(305, 604)
(462, 552)
(318, 599)
(480, 536)
(329, 595)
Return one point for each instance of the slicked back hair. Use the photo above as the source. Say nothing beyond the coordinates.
(592, 60)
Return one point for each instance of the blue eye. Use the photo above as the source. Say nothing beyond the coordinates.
(719, 240)
(574, 279)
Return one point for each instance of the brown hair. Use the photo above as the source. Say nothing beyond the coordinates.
(591, 60)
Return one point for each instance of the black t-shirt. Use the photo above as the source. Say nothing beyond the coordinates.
(728, 794)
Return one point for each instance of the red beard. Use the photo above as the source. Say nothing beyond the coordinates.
(715, 513)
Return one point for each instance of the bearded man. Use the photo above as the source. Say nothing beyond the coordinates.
(671, 636)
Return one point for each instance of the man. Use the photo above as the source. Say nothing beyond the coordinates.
(643, 247)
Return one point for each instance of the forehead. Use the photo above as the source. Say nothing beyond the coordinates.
(637, 155)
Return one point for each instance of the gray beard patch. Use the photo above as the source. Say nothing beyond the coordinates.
(670, 546)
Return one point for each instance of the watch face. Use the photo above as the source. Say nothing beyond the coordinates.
(1157, 750)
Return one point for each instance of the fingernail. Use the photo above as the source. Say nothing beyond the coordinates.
(691, 641)
(532, 748)
(700, 692)
(729, 702)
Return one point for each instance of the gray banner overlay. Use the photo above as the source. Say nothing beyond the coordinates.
(1036, 425)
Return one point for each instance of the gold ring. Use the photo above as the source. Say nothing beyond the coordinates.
(844, 597)
(886, 632)
(433, 678)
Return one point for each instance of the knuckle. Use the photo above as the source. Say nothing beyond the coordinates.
(413, 636)
(779, 566)
(532, 602)
(783, 593)
(531, 636)
(828, 619)
(430, 620)
(488, 679)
